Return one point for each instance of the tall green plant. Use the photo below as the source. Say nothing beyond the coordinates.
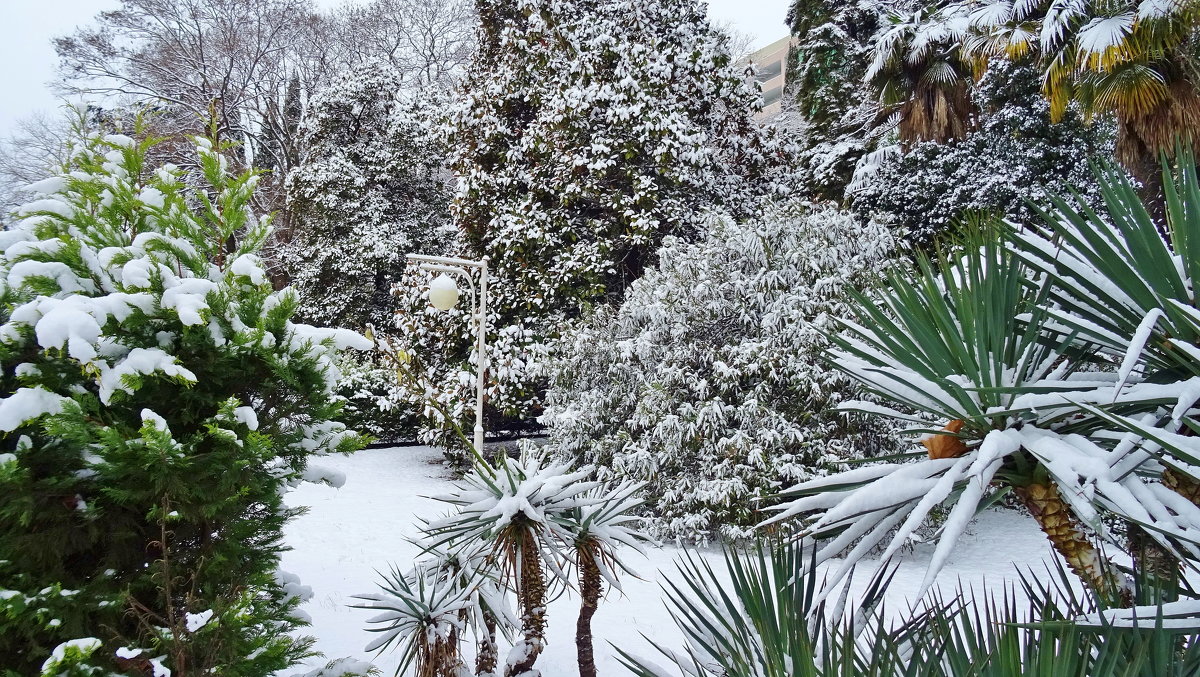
(759, 618)
(156, 402)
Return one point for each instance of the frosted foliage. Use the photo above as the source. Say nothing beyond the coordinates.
(706, 383)
(369, 190)
(1011, 162)
(833, 113)
(589, 131)
(151, 377)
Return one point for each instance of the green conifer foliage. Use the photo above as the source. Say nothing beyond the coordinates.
(155, 404)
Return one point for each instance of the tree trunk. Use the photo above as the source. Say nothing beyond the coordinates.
(485, 662)
(1063, 529)
(533, 609)
(1155, 562)
(1183, 485)
(590, 588)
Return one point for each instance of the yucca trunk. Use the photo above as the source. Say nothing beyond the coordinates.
(1064, 531)
(533, 609)
(485, 661)
(1183, 485)
(590, 589)
(439, 659)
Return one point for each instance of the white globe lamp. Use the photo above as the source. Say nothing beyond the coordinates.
(443, 292)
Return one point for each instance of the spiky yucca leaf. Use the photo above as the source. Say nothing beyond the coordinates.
(761, 619)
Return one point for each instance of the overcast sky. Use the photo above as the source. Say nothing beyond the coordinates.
(27, 60)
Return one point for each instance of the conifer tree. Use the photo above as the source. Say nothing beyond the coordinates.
(155, 403)
(370, 189)
(589, 131)
(830, 52)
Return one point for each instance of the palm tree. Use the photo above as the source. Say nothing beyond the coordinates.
(991, 347)
(511, 507)
(597, 530)
(1133, 59)
(921, 77)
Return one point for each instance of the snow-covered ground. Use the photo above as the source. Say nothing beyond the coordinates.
(351, 533)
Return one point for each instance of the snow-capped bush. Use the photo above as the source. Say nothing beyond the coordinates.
(1014, 159)
(155, 403)
(588, 132)
(707, 382)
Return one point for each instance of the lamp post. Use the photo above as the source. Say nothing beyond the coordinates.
(443, 295)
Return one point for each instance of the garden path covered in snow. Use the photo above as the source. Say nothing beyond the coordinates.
(351, 533)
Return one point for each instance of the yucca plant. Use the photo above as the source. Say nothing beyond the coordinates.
(996, 342)
(770, 618)
(598, 530)
(510, 508)
(957, 345)
(762, 619)
(422, 615)
(1121, 285)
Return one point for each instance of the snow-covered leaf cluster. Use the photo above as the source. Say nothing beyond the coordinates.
(707, 382)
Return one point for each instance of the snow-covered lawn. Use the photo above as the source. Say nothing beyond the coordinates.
(352, 532)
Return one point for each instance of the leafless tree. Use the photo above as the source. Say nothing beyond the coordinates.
(196, 59)
(428, 42)
(38, 144)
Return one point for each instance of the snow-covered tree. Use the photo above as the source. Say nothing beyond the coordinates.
(1013, 159)
(830, 52)
(371, 188)
(589, 131)
(707, 382)
(513, 523)
(156, 403)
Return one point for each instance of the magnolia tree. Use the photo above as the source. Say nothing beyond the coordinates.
(588, 131)
(370, 189)
(708, 384)
(157, 402)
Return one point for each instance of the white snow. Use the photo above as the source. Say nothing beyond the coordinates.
(196, 621)
(144, 361)
(246, 415)
(84, 644)
(348, 535)
(27, 404)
